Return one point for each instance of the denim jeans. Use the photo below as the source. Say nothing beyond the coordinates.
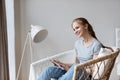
(58, 73)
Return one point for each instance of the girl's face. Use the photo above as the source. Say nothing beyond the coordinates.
(79, 29)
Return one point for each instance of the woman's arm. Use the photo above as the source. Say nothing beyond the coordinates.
(91, 69)
(95, 56)
(66, 66)
(76, 59)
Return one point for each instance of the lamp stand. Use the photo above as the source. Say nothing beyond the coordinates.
(23, 52)
(36, 34)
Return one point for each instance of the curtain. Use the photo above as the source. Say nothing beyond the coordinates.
(4, 69)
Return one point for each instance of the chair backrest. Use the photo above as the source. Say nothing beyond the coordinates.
(106, 62)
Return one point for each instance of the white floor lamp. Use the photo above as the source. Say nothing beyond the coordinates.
(36, 34)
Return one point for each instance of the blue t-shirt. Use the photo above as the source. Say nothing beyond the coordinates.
(85, 53)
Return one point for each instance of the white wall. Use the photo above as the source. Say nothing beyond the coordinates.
(11, 37)
(57, 15)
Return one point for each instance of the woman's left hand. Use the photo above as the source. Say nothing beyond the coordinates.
(66, 67)
(89, 71)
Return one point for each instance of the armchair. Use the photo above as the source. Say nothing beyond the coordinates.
(67, 57)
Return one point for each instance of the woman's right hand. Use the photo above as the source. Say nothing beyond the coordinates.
(56, 62)
(60, 64)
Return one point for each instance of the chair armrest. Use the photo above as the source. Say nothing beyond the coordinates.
(111, 56)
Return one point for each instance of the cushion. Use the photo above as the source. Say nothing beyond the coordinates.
(96, 73)
(117, 62)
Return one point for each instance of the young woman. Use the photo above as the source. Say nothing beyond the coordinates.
(86, 47)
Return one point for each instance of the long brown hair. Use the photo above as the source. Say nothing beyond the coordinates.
(84, 21)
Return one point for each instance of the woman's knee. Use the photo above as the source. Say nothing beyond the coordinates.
(45, 74)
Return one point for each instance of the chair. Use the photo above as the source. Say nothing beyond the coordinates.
(68, 57)
(107, 62)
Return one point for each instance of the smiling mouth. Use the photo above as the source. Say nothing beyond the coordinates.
(78, 33)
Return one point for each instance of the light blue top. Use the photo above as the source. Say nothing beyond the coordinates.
(86, 53)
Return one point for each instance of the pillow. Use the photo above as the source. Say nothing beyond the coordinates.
(96, 73)
(117, 62)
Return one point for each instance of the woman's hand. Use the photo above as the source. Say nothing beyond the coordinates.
(89, 71)
(60, 64)
(56, 62)
(65, 66)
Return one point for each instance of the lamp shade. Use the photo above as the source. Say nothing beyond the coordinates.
(38, 33)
